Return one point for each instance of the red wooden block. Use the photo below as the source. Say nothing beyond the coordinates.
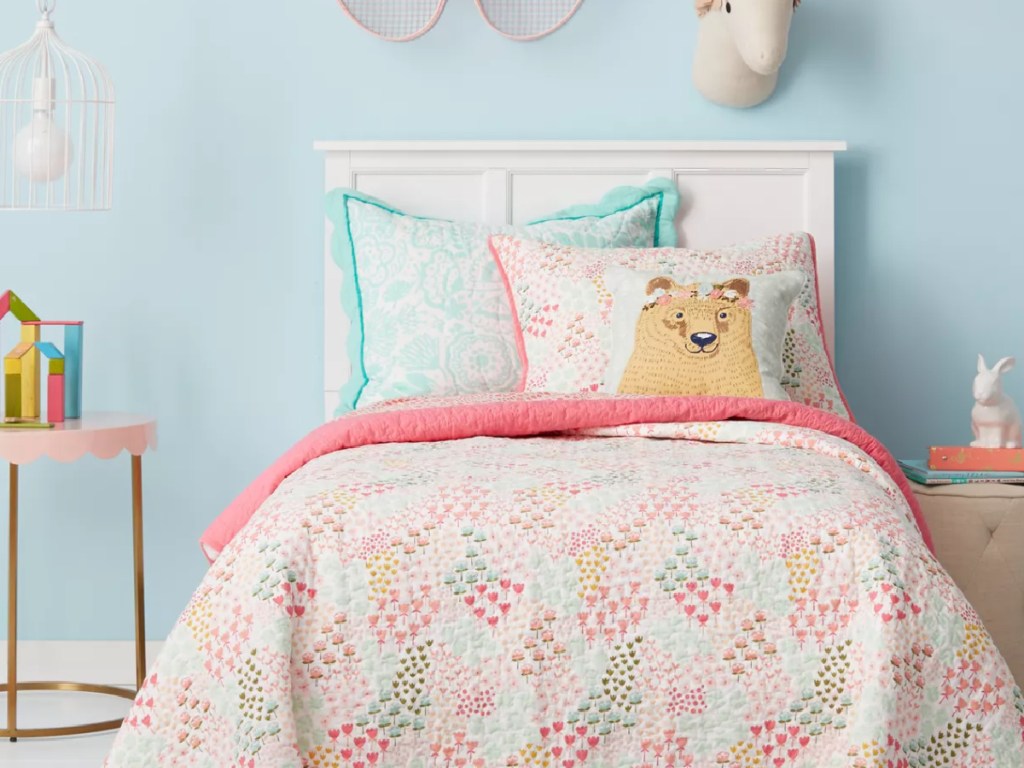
(55, 398)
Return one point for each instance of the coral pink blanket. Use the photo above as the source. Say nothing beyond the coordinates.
(432, 420)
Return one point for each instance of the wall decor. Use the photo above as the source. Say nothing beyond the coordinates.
(741, 45)
(527, 19)
(400, 21)
(56, 125)
(397, 21)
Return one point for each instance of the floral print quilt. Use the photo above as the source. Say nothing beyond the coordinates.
(661, 589)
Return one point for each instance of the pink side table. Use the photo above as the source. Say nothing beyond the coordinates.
(103, 435)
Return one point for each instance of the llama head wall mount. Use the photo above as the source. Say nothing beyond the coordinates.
(741, 45)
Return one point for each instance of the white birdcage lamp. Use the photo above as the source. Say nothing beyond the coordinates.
(56, 125)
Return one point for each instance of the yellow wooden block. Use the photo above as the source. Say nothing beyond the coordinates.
(30, 374)
(12, 390)
(13, 361)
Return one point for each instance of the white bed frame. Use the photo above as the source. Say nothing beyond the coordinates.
(731, 191)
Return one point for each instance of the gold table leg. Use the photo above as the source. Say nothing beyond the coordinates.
(140, 597)
(12, 605)
(12, 686)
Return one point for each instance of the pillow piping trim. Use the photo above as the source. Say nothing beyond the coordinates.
(821, 329)
(662, 189)
(358, 290)
(517, 327)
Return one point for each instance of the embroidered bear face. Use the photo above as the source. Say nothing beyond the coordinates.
(694, 340)
(697, 321)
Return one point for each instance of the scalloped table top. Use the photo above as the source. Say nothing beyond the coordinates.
(103, 434)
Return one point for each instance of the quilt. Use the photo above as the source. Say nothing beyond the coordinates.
(577, 581)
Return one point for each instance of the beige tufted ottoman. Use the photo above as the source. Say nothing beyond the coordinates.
(979, 537)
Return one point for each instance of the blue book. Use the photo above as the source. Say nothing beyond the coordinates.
(918, 471)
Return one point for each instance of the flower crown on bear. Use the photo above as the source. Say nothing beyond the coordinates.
(707, 291)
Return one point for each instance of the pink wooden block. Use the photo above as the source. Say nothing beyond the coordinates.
(55, 398)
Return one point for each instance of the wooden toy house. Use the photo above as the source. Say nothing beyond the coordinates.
(21, 379)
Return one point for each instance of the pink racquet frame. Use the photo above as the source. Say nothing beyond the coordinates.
(528, 38)
(419, 33)
(441, 4)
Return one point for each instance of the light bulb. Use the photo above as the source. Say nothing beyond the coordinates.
(42, 151)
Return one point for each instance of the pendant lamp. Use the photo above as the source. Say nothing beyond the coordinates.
(56, 125)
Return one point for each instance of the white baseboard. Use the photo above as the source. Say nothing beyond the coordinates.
(80, 661)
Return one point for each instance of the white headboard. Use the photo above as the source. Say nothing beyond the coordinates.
(731, 191)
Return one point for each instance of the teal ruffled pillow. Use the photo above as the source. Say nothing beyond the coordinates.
(428, 310)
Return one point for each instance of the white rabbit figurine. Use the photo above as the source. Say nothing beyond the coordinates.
(994, 419)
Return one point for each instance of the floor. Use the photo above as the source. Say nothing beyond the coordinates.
(43, 709)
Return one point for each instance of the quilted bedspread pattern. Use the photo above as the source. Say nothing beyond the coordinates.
(613, 582)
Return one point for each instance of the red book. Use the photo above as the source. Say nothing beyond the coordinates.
(967, 459)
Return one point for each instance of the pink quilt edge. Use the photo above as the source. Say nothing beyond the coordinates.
(525, 417)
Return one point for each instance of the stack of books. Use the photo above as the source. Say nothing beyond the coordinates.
(961, 464)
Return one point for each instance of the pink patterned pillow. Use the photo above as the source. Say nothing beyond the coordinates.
(563, 301)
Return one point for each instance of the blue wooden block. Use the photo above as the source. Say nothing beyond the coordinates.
(73, 371)
(51, 353)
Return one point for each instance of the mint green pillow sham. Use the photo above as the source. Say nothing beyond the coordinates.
(427, 308)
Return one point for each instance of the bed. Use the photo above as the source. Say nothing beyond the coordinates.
(579, 579)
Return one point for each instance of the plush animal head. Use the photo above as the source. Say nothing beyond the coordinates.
(760, 29)
(701, 321)
(988, 388)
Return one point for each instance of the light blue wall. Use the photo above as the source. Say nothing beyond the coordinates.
(201, 289)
